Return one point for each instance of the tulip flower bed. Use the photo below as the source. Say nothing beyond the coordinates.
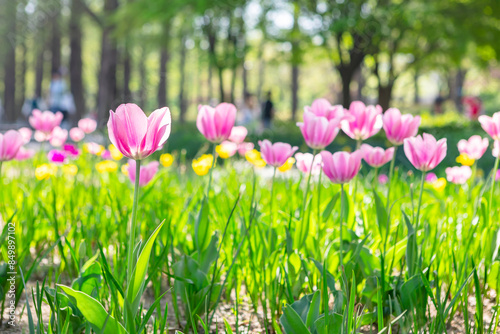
(120, 237)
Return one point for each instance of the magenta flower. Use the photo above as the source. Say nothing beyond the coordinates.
(56, 156)
(497, 177)
(216, 123)
(383, 179)
(431, 177)
(424, 152)
(71, 150)
(10, 143)
(398, 127)
(458, 175)
(238, 134)
(376, 156)
(323, 108)
(244, 148)
(474, 147)
(276, 154)
(134, 134)
(58, 137)
(45, 121)
(87, 125)
(341, 167)
(491, 125)
(318, 131)
(146, 173)
(365, 122)
(24, 154)
(76, 134)
(304, 161)
(26, 133)
(106, 155)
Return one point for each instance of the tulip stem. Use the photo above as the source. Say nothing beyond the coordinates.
(391, 173)
(417, 218)
(307, 186)
(131, 239)
(493, 179)
(271, 212)
(342, 195)
(211, 171)
(319, 196)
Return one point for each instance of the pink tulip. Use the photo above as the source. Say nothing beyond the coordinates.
(76, 134)
(56, 156)
(134, 134)
(365, 122)
(58, 137)
(323, 108)
(341, 167)
(146, 173)
(458, 175)
(87, 125)
(71, 150)
(276, 154)
(431, 177)
(383, 179)
(216, 123)
(318, 131)
(491, 125)
(424, 152)
(26, 133)
(244, 148)
(496, 148)
(10, 143)
(24, 154)
(238, 134)
(227, 149)
(376, 156)
(398, 127)
(304, 161)
(474, 147)
(45, 121)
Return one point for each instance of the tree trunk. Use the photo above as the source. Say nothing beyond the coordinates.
(39, 65)
(221, 84)
(75, 58)
(182, 99)
(22, 78)
(295, 91)
(385, 95)
(143, 78)
(10, 62)
(163, 84)
(127, 73)
(106, 98)
(360, 79)
(244, 77)
(210, 82)
(346, 78)
(55, 43)
(233, 84)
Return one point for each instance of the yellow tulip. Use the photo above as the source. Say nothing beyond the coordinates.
(45, 171)
(124, 169)
(70, 170)
(202, 165)
(254, 157)
(465, 160)
(287, 165)
(439, 184)
(115, 153)
(166, 159)
(106, 166)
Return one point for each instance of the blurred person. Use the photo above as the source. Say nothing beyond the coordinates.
(249, 113)
(267, 112)
(438, 104)
(60, 99)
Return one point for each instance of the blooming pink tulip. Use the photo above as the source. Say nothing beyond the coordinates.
(318, 131)
(376, 156)
(276, 154)
(458, 175)
(71, 150)
(58, 137)
(216, 123)
(56, 156)
(474, 147)
(134, 134)
(398, 127)
(45, 121)
(24, 154)
(424, 152)
(341, 167)
(304, 161)
(26, 133)
(366, 121)
(431, 177)
(323, 108)
(10, 143)
(76, 134)
(87, 125)
(491, 125)
(244, 148)
(146, 173)
(383, 179)
(238, 134)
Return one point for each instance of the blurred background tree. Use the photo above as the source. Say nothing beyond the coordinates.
(182, 53)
